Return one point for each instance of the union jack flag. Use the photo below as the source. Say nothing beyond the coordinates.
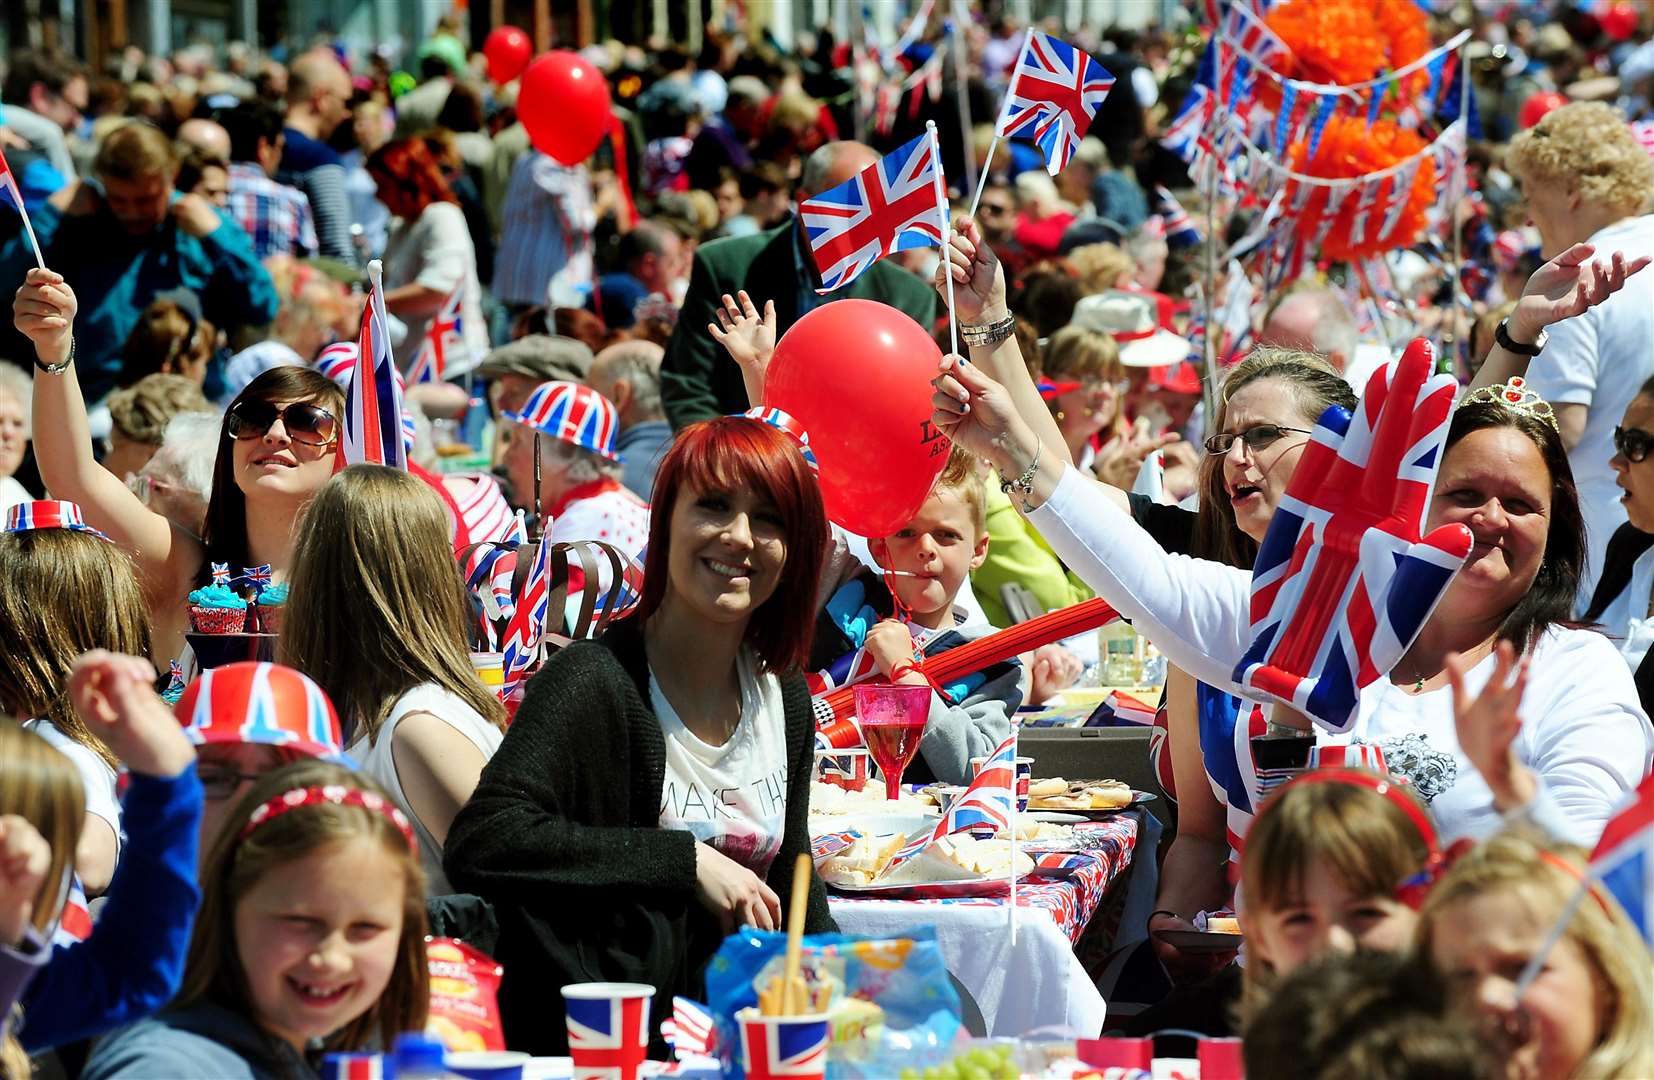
(608, 1037)
(892, 205)
(528, 621)
(444, 346)
(829, 844)
(987, 803)
(74, 920)
(1053, 96)
(1624, 859)
(9, 193)
(1180, 229)
(1343, 581)
(690, 1029)
(373, 397)
(778, 1047)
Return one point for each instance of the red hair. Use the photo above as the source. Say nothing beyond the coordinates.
(735, 453)
(410, 165)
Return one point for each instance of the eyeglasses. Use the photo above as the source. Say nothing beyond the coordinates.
(1633, 443)
(220, 781)
(994, 208)
(308, 424)
(1255, 438)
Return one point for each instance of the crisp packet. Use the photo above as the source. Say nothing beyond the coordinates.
(465, 991)
(890, 1000)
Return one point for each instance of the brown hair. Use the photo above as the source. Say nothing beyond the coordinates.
(1100, 267)
(225, 532)
(165, 338)
(1517, 863)
(378, 606)
(1364, 838)
(232, 867)
(63, 593)
(1315, 386)
(143, 410)
(135, 151)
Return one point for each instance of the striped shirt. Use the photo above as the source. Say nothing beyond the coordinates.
(276, 216)
(546, 231)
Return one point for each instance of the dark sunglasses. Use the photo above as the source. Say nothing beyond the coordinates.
(1255, 438)
(1633, 443)
(305, 423)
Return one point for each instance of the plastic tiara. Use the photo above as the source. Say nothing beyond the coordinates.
(1516, 397)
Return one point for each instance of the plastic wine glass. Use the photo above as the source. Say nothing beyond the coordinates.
(892, 723)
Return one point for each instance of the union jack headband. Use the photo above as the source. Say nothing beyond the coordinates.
(1515, 396)
(48, 514)
(787, 424)
(330, 795)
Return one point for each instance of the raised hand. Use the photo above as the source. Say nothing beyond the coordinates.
(1345, 578)
(978, 279)
(748, 337)
(978, 414)
(44, 312)
(1568, 285)
(115, 697)
(25, 858)
(1487, 725)
(1119, 461)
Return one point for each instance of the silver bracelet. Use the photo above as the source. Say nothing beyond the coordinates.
(988, 334)
(1024, 483)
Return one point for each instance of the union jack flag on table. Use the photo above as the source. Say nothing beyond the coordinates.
(1053, 96)
(373, 397)
(1344, 579)
(987, 803)
(780, 1047)
(890, 206)
(1624, 859)
(610, 1036)
(444, 346)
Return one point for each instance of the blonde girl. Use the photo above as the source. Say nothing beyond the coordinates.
(310, 938)
(65, 590)
(1589, 1014)
(1084, 387)
(379, 620)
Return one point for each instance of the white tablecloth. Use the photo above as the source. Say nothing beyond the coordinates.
(1039, 983)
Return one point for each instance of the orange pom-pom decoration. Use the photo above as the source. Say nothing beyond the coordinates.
(1348, 149)
(1350, 41)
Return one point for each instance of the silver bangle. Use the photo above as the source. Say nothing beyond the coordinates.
(1024, 483)
(988, 334)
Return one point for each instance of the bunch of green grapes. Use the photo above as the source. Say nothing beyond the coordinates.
(981, 1063)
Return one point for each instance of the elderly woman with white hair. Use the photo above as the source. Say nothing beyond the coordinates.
(16, 393)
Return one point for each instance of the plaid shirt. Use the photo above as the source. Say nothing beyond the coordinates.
(276, 216)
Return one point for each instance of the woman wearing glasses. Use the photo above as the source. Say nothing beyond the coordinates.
(1624, 598)
(277, 451)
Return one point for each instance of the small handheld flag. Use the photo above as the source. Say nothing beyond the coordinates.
(373, 397)
(889, 206)
(10, 195)
(443, 350)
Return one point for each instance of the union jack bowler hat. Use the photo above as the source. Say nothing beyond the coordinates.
(256, 702)
(573, 413)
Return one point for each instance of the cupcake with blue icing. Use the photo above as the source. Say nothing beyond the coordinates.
(271, 604)
(217, 609)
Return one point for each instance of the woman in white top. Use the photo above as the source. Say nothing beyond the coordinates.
(1583, 740)
(378, 618)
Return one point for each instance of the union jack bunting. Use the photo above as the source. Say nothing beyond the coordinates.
(609, 1035)
(1624, 859)
(778, 1048)
(1343, 581)
(1053, 96)
(444, 346)
(1181, 231)
(890, 206)
(373, 397)
(986, 804)
(528, 621)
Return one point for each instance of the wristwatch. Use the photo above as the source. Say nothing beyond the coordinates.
(58, 368)
(990, 333)
(1502, 336)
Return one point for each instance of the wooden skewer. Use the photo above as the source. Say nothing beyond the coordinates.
(794, 998)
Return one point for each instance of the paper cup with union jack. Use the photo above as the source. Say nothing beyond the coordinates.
(777, 1047)
(608, 1028)
(355, 1067)
(488, 1064)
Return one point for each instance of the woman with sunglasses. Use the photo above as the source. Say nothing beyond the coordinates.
(1623, 602)
(277, 451)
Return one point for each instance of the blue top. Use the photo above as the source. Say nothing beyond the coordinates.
(115, 275)
(300, 153)
(134, 960)
(198, 1042)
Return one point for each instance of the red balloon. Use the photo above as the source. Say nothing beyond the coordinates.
(1534, 109)
(856, 374)
(563, 101)
(1619, 21)
(507, 49)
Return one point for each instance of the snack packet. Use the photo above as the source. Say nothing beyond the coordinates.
(465, 991)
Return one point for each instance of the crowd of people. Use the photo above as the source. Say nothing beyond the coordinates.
(214, 869)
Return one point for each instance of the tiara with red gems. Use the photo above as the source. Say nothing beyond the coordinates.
(1516, 397)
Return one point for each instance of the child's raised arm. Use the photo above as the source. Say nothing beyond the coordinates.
(749, 338)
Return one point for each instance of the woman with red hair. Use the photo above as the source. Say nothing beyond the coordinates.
(429, 250)
(652, 794)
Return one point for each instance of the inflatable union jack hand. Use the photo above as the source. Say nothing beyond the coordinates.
(1344, 579)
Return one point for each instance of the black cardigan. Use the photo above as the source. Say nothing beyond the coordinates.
(562, 836)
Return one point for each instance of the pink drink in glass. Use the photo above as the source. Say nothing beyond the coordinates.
(892, 723)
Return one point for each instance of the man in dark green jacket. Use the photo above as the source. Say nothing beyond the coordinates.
(698, 379)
